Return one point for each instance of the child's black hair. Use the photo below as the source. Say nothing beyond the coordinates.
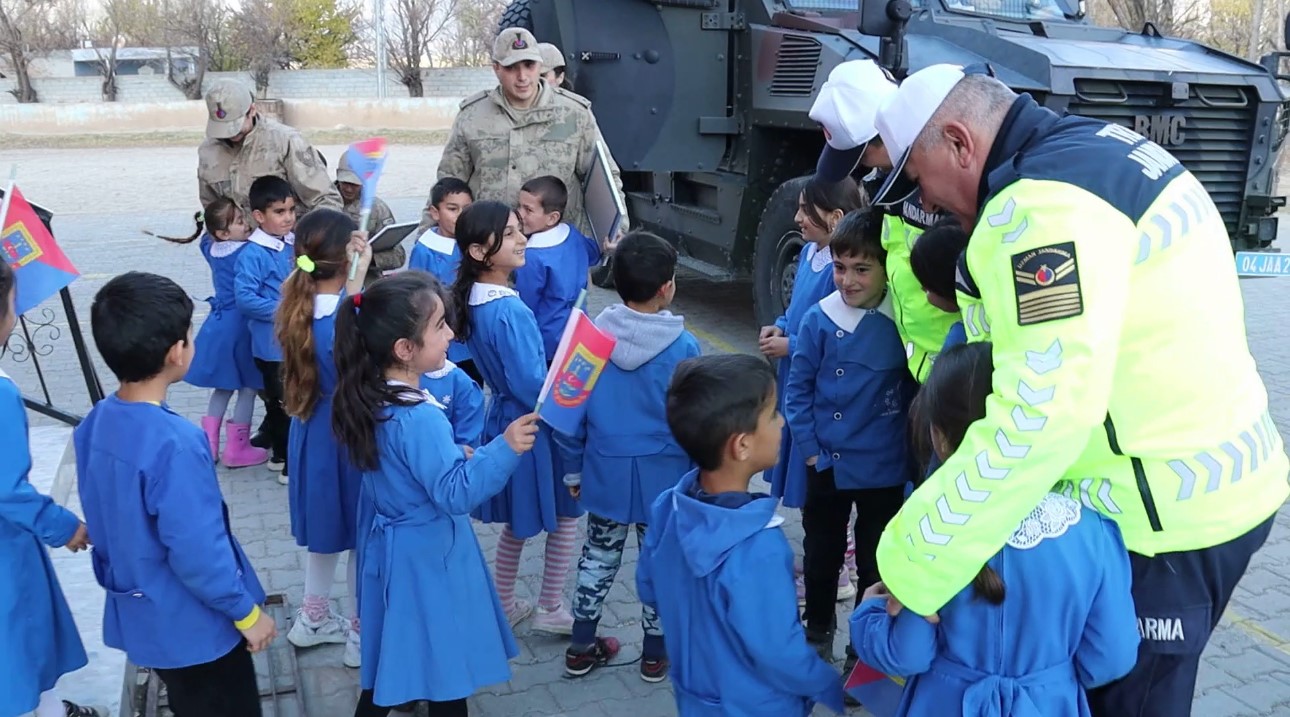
(935, 256)
(859, 234)
(447, 187)
(268, 190)
(136, 318)
(822, 197)
(551, 190)
(951, 400)
(216, 217)
(395, 307)
(712, 398)
(7, 281)
(643, 264)
(481, 223)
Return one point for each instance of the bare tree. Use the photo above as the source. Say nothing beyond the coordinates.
(261, 33)
(418, 23)
(28, 29)
(469, 40)
(202, 24)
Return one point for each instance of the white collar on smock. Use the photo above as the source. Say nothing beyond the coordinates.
(554, 236)
(481, 293)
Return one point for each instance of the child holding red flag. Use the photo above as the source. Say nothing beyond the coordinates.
(1049, 616)
(505, 342)
(623, 455)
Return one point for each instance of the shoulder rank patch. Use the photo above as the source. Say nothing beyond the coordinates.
(1047, 284)
(473, 99)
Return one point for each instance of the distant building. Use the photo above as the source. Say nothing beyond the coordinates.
(84, 62)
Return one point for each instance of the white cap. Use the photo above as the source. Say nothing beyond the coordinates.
(904, 116)
(846, 108)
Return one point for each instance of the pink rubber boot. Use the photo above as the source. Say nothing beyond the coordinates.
(211, 426)
(239, 453)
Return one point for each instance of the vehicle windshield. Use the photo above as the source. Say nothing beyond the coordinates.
(1010, 9)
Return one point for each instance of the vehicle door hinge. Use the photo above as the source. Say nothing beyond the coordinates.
(586, 56)
(723, 21)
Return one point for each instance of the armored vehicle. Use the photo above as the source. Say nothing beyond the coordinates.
(704, 105)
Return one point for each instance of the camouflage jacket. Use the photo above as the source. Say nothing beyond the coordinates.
(381, 216)
(269, 148)
(496, 149)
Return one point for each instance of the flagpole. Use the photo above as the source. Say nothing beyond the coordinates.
(363, 216)
(8, 195)
(577, 305)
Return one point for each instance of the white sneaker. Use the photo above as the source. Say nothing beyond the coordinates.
(353, 650)
(331, 631)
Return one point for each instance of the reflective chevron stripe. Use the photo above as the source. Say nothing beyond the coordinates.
(1004, 216)
(930, 535)
(967, 492)
(988, 471)
(1034, 397)
(1027, 424)
(1015, 234)
(1226, 464)
(1007, 448)
(1050, 359)
(948, 516)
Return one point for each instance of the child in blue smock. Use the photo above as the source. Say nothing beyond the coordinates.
(462, 400)
(43, 644)
(846, 404)
(504, 339)
(433, 626)
(934, 259)
(182, 597)
(715, 562)
(223, 361)
(556, 261)
(323, 494)
(436, 250)
(623, 456)
(820, 207)
(1048, 617)
(257, 288)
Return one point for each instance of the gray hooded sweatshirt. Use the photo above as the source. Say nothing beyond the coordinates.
(640, 337)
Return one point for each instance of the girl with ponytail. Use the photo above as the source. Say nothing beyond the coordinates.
(435, 629)
(223, 360)
(323, 490)
(506, 344)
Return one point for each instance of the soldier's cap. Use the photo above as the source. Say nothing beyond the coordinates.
(552, 58)
(515, 44)
(227, 102)
(904, 116)
(344, 173)
(846, 107)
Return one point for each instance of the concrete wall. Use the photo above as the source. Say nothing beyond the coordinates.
(425, 114)
(286, 85)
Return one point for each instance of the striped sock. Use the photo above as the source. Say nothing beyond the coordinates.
(507, 567)
(560, 547)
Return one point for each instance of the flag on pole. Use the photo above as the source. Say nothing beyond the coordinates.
(880, 694)
(39, 264)
(367, 159)
(579, 359)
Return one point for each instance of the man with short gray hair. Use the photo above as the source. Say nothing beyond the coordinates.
(1101, 272)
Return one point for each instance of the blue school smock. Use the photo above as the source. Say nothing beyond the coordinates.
(462, 399)
(262, 266)
(1067, 624)
(814, 282)
(222, 356)
(323, 491)
(848, 394)
(40, 639)
(556, 263)
(624, 449)
(437, 254)
(433, 627)
(176, 579)
(720, 573)
(956, 336)
(507, 348)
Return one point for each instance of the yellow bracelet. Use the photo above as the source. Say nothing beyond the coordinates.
(249, 620)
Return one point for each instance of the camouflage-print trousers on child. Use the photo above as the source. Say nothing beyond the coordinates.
(602, 555)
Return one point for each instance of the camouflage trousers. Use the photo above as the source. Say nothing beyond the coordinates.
(602, 555)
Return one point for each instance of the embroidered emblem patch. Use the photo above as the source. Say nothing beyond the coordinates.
(1047, 284)
(519, 43)
(219, 111)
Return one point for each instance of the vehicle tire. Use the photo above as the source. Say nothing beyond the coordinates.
(517, 14)
(779, 243)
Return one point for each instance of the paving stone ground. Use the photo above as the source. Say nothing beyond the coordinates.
(103, 198)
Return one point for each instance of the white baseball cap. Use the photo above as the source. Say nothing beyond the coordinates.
(905, 115)
(846, 107)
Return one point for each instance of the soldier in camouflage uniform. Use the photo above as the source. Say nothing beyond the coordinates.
(351, 193)
(242, 146)
(522, 129)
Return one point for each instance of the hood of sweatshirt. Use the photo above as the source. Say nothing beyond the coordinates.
(708, 533)
(640, 337)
